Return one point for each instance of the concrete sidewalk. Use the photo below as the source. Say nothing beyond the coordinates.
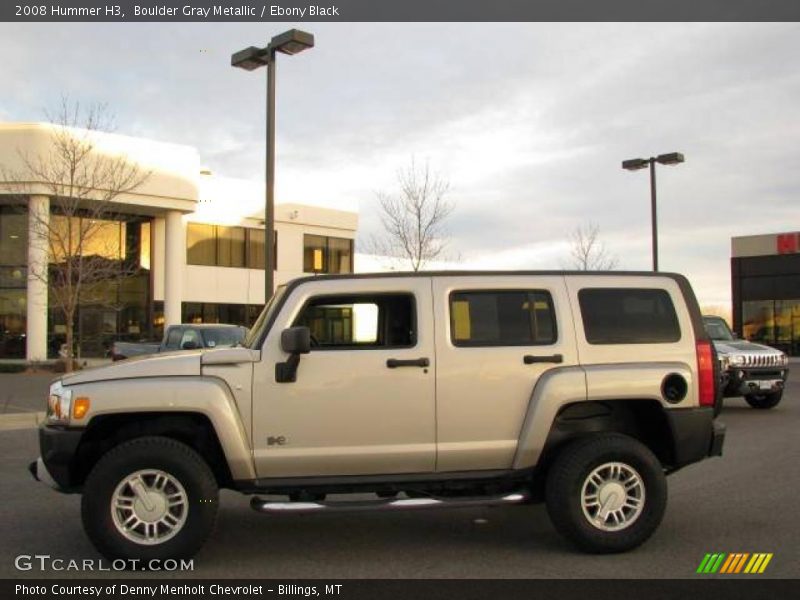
(23, 420)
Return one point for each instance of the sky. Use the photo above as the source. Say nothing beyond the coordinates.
(529, 123)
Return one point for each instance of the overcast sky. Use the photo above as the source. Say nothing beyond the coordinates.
(529, 122)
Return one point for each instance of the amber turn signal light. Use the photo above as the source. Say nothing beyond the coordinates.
(80, 407)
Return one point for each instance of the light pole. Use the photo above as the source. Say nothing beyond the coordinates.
(634, 164)
(290, 42)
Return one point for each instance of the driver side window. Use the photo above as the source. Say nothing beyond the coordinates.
(360, 321)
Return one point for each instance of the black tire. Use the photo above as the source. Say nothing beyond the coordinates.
(565, 481)
(764, 401)
(164, 454)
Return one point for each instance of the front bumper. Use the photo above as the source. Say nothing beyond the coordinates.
(696, 434)
(744, 381)
(58, 447)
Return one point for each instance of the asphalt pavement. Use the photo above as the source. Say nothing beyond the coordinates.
(746, 501)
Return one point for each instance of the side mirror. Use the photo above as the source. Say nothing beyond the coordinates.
(296, 340)
(189, 345)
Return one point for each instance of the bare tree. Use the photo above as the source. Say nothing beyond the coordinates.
(587, 252)
(413, 219)
(83, 183)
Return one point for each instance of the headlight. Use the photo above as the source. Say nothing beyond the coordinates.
(59, 403)
(737, 360)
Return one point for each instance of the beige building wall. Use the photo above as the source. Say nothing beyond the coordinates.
(176, 192)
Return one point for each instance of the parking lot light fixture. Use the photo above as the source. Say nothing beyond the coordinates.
(635, 164)
(251, 58)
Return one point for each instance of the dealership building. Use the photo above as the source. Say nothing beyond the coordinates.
(194, 240)
(765, 281)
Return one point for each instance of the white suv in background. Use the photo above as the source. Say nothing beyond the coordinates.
(751, 370)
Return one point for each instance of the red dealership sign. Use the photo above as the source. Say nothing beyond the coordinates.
(787, 243)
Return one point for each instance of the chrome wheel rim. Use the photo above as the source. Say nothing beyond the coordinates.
(149, 507)
(613, 496)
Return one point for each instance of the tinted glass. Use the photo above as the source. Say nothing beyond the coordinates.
(314, 251)
(230, 246)
(628, 316)
(255, 248)
(340, 255)
(228, 336)
(718, 330)
(13, 236)
(385, 320)
(502, 318)
(200, 244)
(174, 338)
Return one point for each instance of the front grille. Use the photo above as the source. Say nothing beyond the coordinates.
(763, 360)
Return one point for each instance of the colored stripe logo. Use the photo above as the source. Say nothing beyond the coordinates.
(734, 563)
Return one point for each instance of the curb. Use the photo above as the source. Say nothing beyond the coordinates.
(16, 421)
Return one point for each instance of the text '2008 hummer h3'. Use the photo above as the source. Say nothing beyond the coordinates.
(425, 390)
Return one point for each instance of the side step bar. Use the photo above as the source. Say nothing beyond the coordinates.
(381, 504)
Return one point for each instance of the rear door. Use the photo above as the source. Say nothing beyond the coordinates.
(495, 337)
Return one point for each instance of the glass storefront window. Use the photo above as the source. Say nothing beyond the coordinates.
(314, 250)
(758, 321)
(255, 249)
(13, 236)
(201, 244)
(340, 255)
(13, 318)
(115, 308)
(210, 312)
(226, 246)
(230, 246)
(70, 236)
(144, 245)
(327, 254)
(13, 281)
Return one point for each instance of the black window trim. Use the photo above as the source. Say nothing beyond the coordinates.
(462, 344)
(414, 320)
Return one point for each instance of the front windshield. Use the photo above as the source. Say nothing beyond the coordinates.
(717, 329)
(255, 332)
(223, 336)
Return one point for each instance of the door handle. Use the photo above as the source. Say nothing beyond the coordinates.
(529, 359)
(393, 363)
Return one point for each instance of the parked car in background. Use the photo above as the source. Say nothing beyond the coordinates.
(183, 337)
(754, 371)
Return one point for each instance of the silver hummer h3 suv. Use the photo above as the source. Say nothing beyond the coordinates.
(754, 371)
(582, 390)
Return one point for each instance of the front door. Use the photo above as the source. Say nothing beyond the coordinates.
(364, 399)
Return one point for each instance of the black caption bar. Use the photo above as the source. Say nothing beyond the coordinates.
(198, 589)
(399, 10)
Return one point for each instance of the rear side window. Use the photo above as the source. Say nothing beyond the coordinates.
(502, 318)
(628, 316)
